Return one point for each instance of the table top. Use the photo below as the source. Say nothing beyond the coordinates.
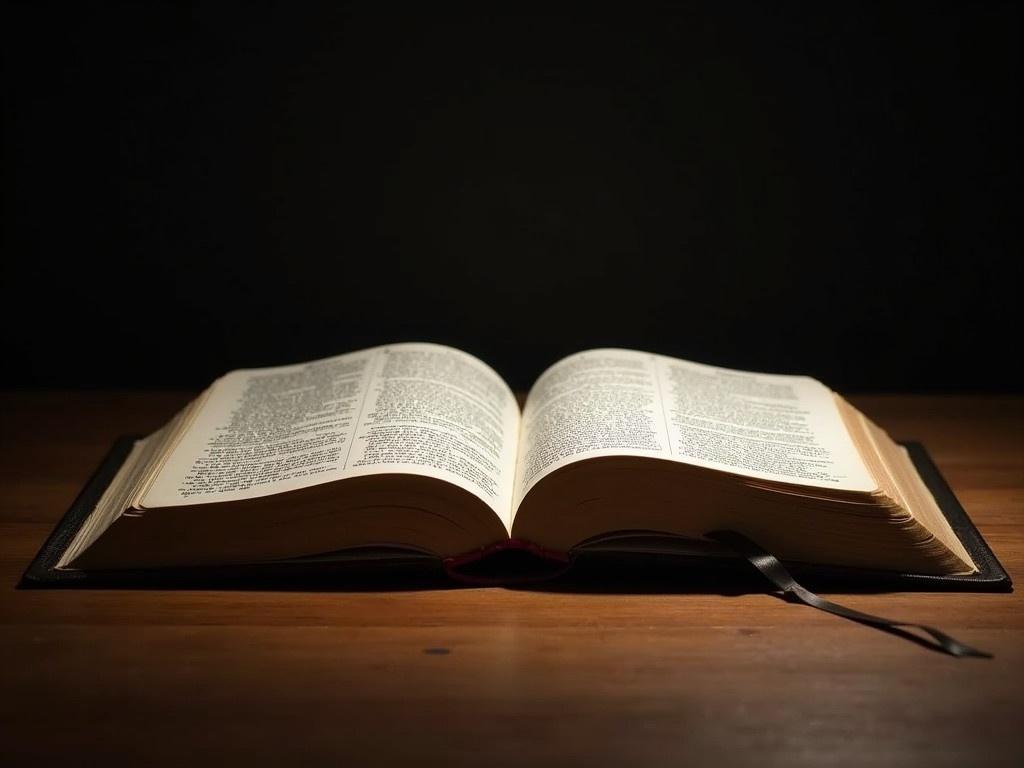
(497, 676)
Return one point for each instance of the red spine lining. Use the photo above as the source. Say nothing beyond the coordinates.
(453, 564)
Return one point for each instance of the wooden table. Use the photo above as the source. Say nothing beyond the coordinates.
(168, 678)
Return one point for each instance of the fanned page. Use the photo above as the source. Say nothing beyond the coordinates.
(615, 402)
(422, 409)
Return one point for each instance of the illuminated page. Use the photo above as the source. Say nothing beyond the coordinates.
(420, 409)
(617, 402)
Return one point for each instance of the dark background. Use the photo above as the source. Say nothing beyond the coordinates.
(826, 188)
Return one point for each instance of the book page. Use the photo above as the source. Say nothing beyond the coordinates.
(409, 408)
(615, 402)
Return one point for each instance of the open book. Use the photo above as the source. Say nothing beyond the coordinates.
(423, 448)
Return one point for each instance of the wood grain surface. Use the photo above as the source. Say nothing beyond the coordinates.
(496, 677)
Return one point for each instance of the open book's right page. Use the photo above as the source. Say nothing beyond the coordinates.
(614, 402)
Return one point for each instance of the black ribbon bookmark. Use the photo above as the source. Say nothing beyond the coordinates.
(770, 567)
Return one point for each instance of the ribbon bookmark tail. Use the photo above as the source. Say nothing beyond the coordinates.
(773, 570)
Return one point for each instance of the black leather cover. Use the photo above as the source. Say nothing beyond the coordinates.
(589, 570)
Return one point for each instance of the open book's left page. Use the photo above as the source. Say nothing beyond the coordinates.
(422, 409)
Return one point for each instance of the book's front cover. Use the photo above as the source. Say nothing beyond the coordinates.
(519, 563)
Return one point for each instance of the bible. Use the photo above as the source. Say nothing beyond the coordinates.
(421, 452)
